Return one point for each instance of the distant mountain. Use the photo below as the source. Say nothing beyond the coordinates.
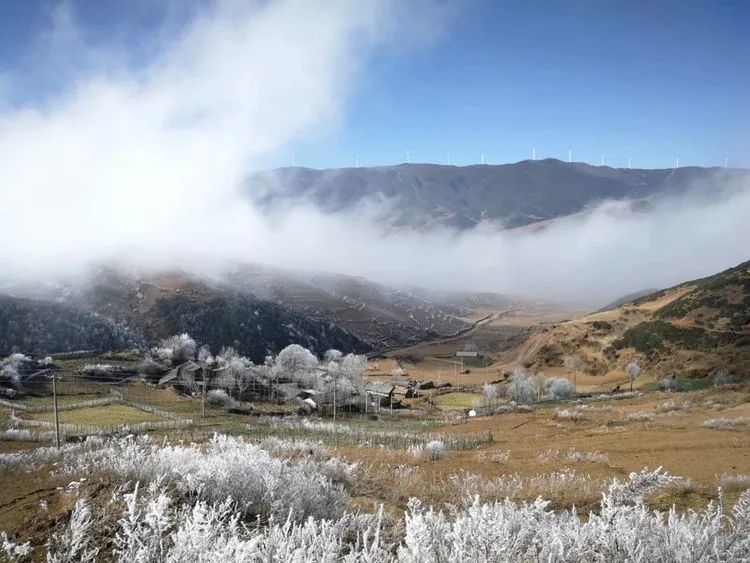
(690, 330)
(114, 311)
(428, 195)
(256, 309)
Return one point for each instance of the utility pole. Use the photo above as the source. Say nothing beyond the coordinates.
(57, 419)
(334, 398)
(203, 401)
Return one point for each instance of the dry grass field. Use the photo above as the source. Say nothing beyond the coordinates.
(108, 415)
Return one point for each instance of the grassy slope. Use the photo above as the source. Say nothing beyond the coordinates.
(689, 330)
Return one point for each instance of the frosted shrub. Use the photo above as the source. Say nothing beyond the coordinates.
(416, 450)
(588, 457)
(641, 416)
(673, 406)
(736, 482)
(151, 528)
(76, 542)
(571, 415)
(502, 457)
(505, 531)
(227, 467)
(435, 450)
(219, 398)
(724, 423)
(668, 384)
(559, 388)
(13, 551)
(548, 456)
(160, 526)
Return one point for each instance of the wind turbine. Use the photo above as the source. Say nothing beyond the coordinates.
(602, 159)
(726, 162)
(570, 156)
(356, 161)
(482, 158)
(533, 153)
(677, 162)
(408, 157)
(629, 161)
(448, 158)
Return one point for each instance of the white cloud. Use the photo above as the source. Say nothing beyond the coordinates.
(147, 165)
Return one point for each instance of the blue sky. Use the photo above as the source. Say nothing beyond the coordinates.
(649, 81)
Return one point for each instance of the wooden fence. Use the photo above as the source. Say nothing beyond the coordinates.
(98, 430)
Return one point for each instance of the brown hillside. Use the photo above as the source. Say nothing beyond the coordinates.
(688, 331)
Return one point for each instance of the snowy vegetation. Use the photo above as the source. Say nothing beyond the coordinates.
(559, 388)
(336, 378)
(231, 501)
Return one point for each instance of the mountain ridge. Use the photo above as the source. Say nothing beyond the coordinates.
(428, 195)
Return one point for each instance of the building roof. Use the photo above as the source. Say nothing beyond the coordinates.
(189, 366)
(170, 376)
(380, 388)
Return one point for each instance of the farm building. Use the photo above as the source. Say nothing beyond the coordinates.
(188, 371)
(380, 393)
(468, 354)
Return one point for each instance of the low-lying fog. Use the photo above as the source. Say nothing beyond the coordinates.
(145, 163)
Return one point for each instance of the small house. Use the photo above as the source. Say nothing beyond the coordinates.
(468, 354)
(380, 393)
(188, 371)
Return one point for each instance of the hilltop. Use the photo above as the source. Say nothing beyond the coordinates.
(690, 330)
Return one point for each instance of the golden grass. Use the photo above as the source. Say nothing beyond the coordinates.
(108, 415)
(456, 401)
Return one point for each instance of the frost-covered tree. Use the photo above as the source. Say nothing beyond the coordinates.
(10, 366)
(204, 356)
(295, 363)
(332, 356)
(490, 395)
(521, 388)
(176, 349)
(574, 363)
(234, 372)
(634, 371)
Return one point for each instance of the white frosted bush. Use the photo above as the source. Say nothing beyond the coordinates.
(14, 551)
(641, 416)
(559, 388)
(435, 450)
(724, 423)
(571, 415)
(226, 467)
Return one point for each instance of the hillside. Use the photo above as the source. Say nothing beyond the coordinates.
(256, 309)
(43, 327)
(526, 192)
(690, 330)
